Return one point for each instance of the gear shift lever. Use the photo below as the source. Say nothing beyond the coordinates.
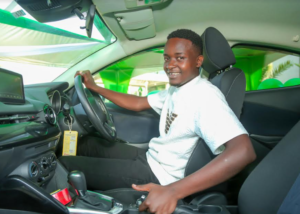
(87, 199)
(77, 180)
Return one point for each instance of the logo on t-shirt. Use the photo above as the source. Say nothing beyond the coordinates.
(170, 118)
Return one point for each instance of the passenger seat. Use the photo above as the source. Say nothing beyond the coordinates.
(273, 187)
(266, 188)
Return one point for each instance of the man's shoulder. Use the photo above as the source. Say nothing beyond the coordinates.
(204, 89)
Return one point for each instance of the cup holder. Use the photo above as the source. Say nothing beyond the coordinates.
(209, 209)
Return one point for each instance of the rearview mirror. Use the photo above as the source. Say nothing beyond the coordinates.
(90, 20)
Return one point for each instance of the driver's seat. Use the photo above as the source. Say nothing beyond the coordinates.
(218, 61)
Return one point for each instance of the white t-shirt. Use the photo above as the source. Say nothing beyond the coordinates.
(195, 110)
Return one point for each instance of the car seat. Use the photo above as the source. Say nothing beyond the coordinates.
(218, 61)
(273, 187)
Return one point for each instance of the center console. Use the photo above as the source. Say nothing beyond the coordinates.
(84, 201)
(90, 201)
(46, 174)
(93, 202)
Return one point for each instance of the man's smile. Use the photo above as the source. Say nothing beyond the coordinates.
(173, 75)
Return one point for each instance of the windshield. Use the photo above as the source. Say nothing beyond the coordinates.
(43, 51)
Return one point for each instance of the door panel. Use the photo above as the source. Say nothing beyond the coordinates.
(134, 127)
(270, 114)
(269, 141)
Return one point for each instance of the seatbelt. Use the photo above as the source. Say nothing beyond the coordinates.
(291, 202)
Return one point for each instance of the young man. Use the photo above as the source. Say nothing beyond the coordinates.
(191, 108)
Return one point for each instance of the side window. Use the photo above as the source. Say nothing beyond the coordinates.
(141, 74)
(267, 69)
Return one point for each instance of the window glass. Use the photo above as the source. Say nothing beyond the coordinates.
(267, 69)
(141, 74)
(43, 51)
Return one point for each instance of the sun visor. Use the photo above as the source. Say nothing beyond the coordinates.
(137, 25)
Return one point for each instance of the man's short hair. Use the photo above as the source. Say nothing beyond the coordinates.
(189, 35)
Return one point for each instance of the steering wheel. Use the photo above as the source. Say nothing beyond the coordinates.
(96, 110)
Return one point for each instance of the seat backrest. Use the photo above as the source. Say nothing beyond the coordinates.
(218, 62)
(232, 83)
(268, 185)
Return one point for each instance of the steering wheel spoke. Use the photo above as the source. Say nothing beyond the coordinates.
(96, 111)
(110, 129)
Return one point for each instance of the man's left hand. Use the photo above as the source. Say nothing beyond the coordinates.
(160, 200)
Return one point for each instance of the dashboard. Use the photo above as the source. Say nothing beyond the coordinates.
(30, 139)
(30, 133)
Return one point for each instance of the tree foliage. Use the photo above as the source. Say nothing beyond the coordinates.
(266, 74)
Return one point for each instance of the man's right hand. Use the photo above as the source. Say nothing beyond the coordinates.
(128, 101)
(87, 79)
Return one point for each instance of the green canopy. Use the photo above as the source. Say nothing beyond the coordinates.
(24, 40)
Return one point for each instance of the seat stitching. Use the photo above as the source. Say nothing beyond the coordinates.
(232, 84)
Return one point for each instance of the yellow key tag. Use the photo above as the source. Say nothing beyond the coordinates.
(70, 143)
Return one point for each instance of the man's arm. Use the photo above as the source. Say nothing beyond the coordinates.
(127, 101)
(163, 199)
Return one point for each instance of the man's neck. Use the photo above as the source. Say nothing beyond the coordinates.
(178, 86)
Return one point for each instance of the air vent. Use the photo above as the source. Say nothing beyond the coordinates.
(10, 119)
(52, 160)
(44, 163)
(43, 5)
(5, 119)
(50, 115)
(33, 169)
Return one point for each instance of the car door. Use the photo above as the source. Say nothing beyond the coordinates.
(272, 105)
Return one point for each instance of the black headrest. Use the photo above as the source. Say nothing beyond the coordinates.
(216, 51)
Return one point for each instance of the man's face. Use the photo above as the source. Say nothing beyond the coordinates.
(182, 61)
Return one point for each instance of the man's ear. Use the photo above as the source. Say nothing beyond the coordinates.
(199, 61)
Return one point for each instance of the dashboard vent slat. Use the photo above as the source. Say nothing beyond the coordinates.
(11, 119)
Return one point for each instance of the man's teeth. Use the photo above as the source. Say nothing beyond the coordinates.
(173, 74)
